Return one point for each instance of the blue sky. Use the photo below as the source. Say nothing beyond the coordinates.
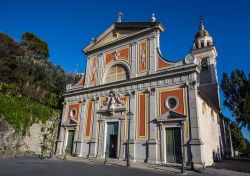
(68, 26)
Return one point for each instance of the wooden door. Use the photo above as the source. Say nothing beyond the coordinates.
(173, 145)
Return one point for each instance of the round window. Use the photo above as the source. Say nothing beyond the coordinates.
(171, 103)
(73, 113)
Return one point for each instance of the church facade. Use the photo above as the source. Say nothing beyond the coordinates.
(132, 102)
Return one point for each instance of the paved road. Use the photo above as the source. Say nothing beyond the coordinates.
(237, 164)
(32, 166)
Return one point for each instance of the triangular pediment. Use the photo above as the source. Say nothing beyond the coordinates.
(70, 122)
(119, 31)
(170, 116)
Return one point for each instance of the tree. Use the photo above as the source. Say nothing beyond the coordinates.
(236, 90)
(238, 140)
(9, 47)
(40, 80)
(37, 46)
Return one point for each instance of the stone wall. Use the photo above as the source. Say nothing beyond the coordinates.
(39, 136)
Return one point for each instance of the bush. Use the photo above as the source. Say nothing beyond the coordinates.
(21, 112)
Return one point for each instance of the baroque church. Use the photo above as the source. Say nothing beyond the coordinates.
(132, 103)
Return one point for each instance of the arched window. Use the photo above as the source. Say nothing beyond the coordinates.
(202, 44)
(116, 73)
(204, 64)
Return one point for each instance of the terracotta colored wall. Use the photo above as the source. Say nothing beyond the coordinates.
(178, 93)
(74, 106)
(142, 115)
(123, 54)
(162, 63)
(89, 119)
(94, 69)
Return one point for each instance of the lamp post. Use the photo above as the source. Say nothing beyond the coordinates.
(128, 142)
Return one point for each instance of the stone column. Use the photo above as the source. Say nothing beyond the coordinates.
(60, 140)
(152, 131)
(79, 140)
(93, 140)
(195, 141)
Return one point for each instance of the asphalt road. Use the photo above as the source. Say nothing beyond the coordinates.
(32, 166)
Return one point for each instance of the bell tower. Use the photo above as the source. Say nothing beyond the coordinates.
(205, 51)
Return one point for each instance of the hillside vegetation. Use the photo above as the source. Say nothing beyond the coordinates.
(31, 86)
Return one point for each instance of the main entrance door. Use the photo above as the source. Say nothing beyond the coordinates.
(173, 145)
(69, 147)
(112, 139)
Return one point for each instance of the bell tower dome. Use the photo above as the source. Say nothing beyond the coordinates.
(205, 51)
(202, 37)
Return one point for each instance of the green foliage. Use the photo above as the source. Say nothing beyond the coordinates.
(9, 47)
(9, 89)
(238, 140)
(22, 112)
(31, 86)
(236, 90)
(38, 80)
(36, 45)
(247, 150)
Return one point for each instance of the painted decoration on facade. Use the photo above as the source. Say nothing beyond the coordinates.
(118, 54)
(73, 112)
(142, 115)
(93, 69)
(172, 99)
(161, 63)
(143, 57)
(89, 117)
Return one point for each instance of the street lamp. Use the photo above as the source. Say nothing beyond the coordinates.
(129, 114)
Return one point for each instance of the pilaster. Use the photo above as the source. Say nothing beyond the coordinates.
(79, 140)
(60, 140)
(195, 141)
(152, 55)
(152, 130)
(93, 140)
(133, 64)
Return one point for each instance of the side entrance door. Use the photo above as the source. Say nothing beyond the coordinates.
(113, 146)
(112, 139)
(173, 145)
(69, 147)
